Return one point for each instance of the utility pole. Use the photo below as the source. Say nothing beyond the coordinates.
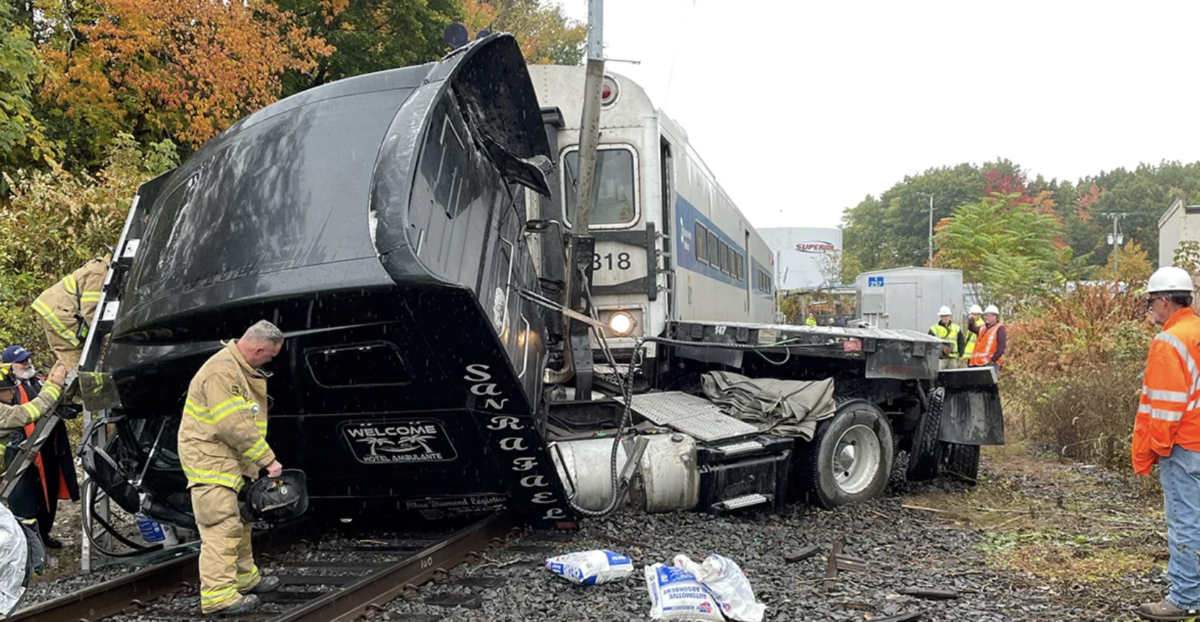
(1115, 238)
(590, 124)
(926, 194)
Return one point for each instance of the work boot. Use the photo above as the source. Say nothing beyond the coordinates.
(51, 543)
(245, 604)
(1165, 610)
(268, 584)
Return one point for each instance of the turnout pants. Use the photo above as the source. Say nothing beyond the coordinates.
(1180, 477)
(226, 562)
(67, 353)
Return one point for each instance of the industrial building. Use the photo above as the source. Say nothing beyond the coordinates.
(797, 252)
(1180, 223)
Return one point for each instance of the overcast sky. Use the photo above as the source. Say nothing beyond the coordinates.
(802, 108)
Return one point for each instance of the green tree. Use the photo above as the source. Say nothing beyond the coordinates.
(1133, 265)
(893, 230)
(22, 137)
(1012, 249)
(56, 220)
(370, 35)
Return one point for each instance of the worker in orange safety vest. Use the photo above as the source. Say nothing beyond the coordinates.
(992, 339)
(1167, 432)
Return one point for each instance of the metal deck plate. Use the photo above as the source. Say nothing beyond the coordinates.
(694, 416)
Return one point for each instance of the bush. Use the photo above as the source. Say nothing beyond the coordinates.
(1074, 374)
(55, 221)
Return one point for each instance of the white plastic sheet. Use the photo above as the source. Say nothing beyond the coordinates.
(15, 571)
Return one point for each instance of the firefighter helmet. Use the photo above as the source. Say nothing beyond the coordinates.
(276, 499)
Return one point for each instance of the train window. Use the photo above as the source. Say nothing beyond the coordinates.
(714, 246)
(614, 194)
(737, 266)
(355, 366)
(725, 258)
(701, 243)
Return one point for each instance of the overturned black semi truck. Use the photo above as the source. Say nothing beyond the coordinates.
(409, 232)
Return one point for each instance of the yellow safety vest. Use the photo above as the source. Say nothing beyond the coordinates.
(972, 338)
(949, 333)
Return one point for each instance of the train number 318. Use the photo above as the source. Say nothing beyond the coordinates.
(605, 262)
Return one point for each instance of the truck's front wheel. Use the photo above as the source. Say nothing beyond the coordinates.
(850, 457)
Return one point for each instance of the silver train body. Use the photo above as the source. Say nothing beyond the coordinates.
(670, 243)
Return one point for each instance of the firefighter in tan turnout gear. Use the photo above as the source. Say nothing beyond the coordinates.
(222, 441)
(67, 307)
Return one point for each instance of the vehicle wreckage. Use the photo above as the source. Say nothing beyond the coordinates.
(452, 348)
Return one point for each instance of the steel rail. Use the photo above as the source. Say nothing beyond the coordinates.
(383, 585)
(128, 593)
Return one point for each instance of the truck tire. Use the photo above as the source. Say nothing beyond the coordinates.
(926, 454)
(961, 462)
(850, 456)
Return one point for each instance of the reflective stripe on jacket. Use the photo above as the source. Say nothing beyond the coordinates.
(77, 294)
(949, 333)
(16, 417)
(985, 349)
(1167, 413)
(222, 435)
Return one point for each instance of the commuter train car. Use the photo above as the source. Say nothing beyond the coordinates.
(670, 243)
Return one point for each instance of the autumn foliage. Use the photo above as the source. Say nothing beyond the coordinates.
(1073, 373)
(183, 68)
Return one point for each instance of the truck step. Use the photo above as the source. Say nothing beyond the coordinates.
(738, 503)
(692, 415)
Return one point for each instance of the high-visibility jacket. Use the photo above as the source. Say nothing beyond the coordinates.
(950, 333)
(53, 463)
(810, 321)
(985, 348)
(14, 418)
(1168, 414)
(973, 337)
(72, 300)
(222, 435)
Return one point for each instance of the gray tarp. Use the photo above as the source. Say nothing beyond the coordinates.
(782, 407)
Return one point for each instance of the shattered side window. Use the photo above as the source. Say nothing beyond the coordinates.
(614, 195)
(363, 365)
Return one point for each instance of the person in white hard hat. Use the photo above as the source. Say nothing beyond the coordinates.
(1167, 432)
(974, 318)
(992, 342)
(948, 330)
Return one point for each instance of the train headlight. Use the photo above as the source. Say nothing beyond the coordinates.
(622, 324)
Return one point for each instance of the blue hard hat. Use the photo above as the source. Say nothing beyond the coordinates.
(15, 354)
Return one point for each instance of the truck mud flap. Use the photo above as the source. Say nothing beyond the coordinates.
(971, 413)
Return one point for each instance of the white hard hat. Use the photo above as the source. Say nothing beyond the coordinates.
(1169, 279)
(944, 310)
(975, 309)
(992, 309)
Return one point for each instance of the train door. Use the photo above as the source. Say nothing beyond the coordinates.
(667, 189)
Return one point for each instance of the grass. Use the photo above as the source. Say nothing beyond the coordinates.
(1089, 532)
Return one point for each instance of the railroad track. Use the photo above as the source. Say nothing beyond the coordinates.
(365, 577)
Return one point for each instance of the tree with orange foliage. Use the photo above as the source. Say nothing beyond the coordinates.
(182, 69)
